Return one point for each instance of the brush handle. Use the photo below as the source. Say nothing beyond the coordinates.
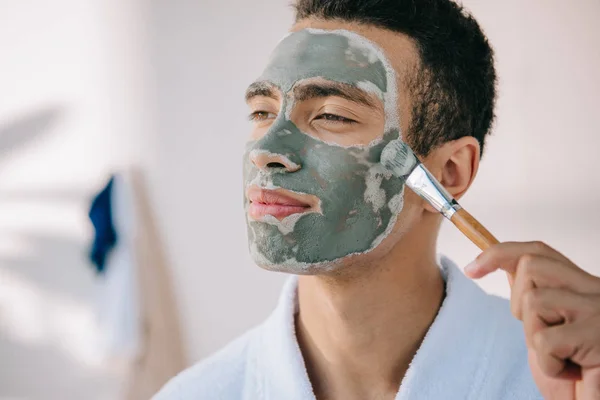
(472, 229)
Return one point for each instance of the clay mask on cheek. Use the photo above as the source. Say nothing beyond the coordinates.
(358, 201)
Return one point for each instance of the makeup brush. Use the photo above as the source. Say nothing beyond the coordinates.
(402, 162)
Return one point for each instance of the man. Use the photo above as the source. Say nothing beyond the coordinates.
(373, 313)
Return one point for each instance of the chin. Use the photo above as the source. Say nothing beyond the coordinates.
(331, 268)
(296, 267)
(355, 262)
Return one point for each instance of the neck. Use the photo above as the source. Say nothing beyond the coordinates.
(359, 334)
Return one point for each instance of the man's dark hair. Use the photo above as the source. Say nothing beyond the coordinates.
(454, 90)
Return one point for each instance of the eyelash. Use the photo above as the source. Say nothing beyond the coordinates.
(263, 115)
(335, 118)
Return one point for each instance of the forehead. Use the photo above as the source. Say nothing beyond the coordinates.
(340, 56)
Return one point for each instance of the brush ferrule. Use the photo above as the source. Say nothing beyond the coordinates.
(425, 185)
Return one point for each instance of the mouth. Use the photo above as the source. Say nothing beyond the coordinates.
(279, 203)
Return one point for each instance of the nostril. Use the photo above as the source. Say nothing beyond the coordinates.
(275, 165)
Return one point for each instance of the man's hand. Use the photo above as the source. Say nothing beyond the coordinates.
(559, 305)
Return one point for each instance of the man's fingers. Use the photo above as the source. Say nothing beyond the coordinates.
(575, 342)
(545, 307)
(589, 387)
(547, 267)
(553, 347)
(506, 256)
(559, 304)
(539, 311)
(543, 272)
(530, 273)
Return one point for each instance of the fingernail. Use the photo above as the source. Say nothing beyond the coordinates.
(472, 267)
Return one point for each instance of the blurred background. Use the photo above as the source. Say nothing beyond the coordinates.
(90, 88)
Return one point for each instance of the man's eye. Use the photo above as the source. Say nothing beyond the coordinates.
(335, 118)
(257, 116)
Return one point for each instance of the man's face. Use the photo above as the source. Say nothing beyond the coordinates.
(323, 110)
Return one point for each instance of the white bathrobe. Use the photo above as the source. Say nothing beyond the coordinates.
(474, 350)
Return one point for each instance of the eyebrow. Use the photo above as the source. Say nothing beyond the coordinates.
(312, 91)
(261, 88)
(335, 89)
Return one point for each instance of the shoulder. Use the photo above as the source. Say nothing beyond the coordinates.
(508, 361)
(508, 334)
(220, 376)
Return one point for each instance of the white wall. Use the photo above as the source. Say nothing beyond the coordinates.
(71, 110)
(536, 182)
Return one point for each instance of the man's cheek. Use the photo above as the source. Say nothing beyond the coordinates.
(332, 164)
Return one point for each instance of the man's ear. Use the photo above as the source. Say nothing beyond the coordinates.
(455, 164)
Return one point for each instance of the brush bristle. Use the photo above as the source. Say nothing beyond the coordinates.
(399, 158)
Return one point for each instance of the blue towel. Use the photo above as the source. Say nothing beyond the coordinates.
(105, 236)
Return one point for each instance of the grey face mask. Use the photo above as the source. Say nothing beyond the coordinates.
(359, 199)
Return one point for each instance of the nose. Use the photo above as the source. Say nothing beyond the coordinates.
(267, 161)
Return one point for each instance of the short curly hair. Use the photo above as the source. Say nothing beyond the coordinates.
(454, 90)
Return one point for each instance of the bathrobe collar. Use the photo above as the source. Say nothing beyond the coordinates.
(453, 358)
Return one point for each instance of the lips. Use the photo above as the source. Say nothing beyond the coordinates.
(279, 203)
